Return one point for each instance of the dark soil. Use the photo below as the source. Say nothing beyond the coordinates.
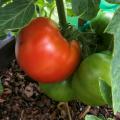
(22, 99)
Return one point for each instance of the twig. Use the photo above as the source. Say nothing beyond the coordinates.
(82, 115)
(66, 108)
(68, 111)
(21, 116)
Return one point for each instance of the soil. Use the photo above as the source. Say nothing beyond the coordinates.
(22, 99)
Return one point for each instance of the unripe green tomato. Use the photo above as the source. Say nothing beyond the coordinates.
(100, 22)
(86, 80)
(61, 91)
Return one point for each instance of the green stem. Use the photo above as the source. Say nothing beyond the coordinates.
(52, 9)
(61, 12)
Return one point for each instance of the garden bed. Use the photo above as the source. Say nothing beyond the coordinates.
(22, 99)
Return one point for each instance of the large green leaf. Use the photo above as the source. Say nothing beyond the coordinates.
(16, 14)
(92, 117)
(114, 1)
(114, 28)
(2, 33)
(105, 90)
(48, 9)
(4, 2)
(87, 9)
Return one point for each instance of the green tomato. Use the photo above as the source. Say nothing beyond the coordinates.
(60, 91)
(100, 22)
(86, 80)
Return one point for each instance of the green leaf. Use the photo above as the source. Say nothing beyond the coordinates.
(1, 87)
(2, 33)
(114, 28)
(48, 9)
(49, 1)
(40, 2)
(2, 36)
(68, 0)
(114, 1)
(16, 14)
(102, 117)
(68, 6)
(92, 117)
(87, 9)
(4, 2)
(70, 12)
(110, 119)
(105, 90)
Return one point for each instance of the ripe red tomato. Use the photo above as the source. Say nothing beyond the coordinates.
(44, 54)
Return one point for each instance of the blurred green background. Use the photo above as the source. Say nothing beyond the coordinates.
(103, 5)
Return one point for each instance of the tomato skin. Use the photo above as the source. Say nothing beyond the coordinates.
(60, 91)
(44, 54)
(86, 80)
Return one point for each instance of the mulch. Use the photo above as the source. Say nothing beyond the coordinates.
(22, 99)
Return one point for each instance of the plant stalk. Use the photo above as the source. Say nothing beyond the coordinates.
(61, 12)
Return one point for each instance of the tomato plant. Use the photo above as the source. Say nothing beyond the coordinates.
(86, 80)
(84, 85)
(44, 54)
(100, 22)
(50, 53)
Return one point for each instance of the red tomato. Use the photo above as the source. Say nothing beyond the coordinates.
(44, 54)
